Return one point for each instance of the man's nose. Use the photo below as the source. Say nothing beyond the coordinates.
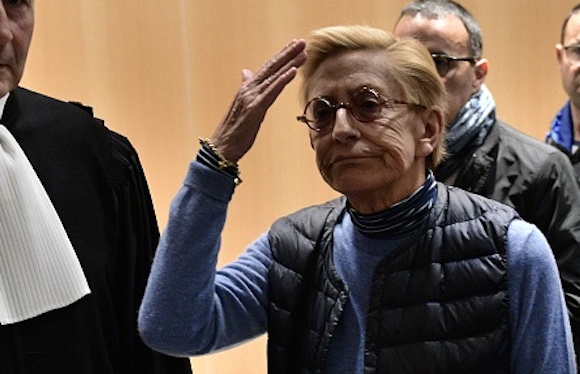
(5, 25)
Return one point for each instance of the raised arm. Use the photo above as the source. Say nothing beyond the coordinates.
(237, 131)
(188, 307)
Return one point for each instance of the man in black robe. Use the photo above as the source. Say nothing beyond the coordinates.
(94, 179)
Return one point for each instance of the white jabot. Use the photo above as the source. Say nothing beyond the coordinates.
(39, 270)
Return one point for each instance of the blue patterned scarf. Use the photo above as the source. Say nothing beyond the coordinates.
(468, 131)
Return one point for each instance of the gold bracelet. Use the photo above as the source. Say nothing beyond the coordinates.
(223, 162)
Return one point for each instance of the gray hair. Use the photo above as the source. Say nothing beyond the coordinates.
(439, 8)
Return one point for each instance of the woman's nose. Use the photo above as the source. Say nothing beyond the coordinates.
(344, 128)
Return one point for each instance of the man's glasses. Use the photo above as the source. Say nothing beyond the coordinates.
(365, 106)
(443, 62)
(572, 53)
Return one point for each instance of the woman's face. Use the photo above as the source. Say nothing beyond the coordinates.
(374, 164)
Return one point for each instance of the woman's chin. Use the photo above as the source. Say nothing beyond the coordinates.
(352, 184)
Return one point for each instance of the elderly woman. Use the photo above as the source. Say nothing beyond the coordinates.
(458, 282)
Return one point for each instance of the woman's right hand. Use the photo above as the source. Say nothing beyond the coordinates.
(238, 129)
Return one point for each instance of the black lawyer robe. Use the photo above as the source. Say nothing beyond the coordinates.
(95, 180)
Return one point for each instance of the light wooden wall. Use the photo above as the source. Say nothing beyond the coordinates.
(163, 73)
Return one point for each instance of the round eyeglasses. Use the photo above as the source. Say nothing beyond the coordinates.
(366, 105)
(572, 53)
(444, 62)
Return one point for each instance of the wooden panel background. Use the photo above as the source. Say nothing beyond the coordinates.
(163, 73)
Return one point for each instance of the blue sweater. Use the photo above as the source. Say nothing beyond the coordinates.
(189, 308)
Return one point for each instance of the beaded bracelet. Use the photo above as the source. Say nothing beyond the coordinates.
(210, 156)
(223, 163)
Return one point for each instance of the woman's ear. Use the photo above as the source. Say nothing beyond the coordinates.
(431, 131)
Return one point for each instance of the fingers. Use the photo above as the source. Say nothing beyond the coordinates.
(237, 131)
(276, 73)
(291, 56)
(279, 69)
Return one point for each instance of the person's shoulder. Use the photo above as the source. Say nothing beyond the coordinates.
(464, 201)
(25, 95)
(32, 103)
(313, 216)
(527, 246)
(334, 204)
(68, 125)
(522, 229)
(526, 156)
(520, 142)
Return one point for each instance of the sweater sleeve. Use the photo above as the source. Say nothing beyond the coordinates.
(189, 308)
(552, 203)
(539, 324)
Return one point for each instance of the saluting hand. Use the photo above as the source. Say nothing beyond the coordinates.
(236, 133)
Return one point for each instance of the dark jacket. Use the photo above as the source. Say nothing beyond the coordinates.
(561, 135)
(307, 296)
(574, 157)
(539, 182)
(95, 181)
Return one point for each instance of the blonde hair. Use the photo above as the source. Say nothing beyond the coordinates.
(409, 64)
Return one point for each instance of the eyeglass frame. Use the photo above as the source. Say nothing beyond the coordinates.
(568, 47)
(383, 101)
(449, 59)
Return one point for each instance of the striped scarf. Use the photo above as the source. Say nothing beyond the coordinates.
(400, 219)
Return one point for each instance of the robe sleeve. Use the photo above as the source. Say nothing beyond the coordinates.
(138, 235)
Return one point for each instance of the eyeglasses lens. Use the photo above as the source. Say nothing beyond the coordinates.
(366, 106)
(442, 65)
(320, 113)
